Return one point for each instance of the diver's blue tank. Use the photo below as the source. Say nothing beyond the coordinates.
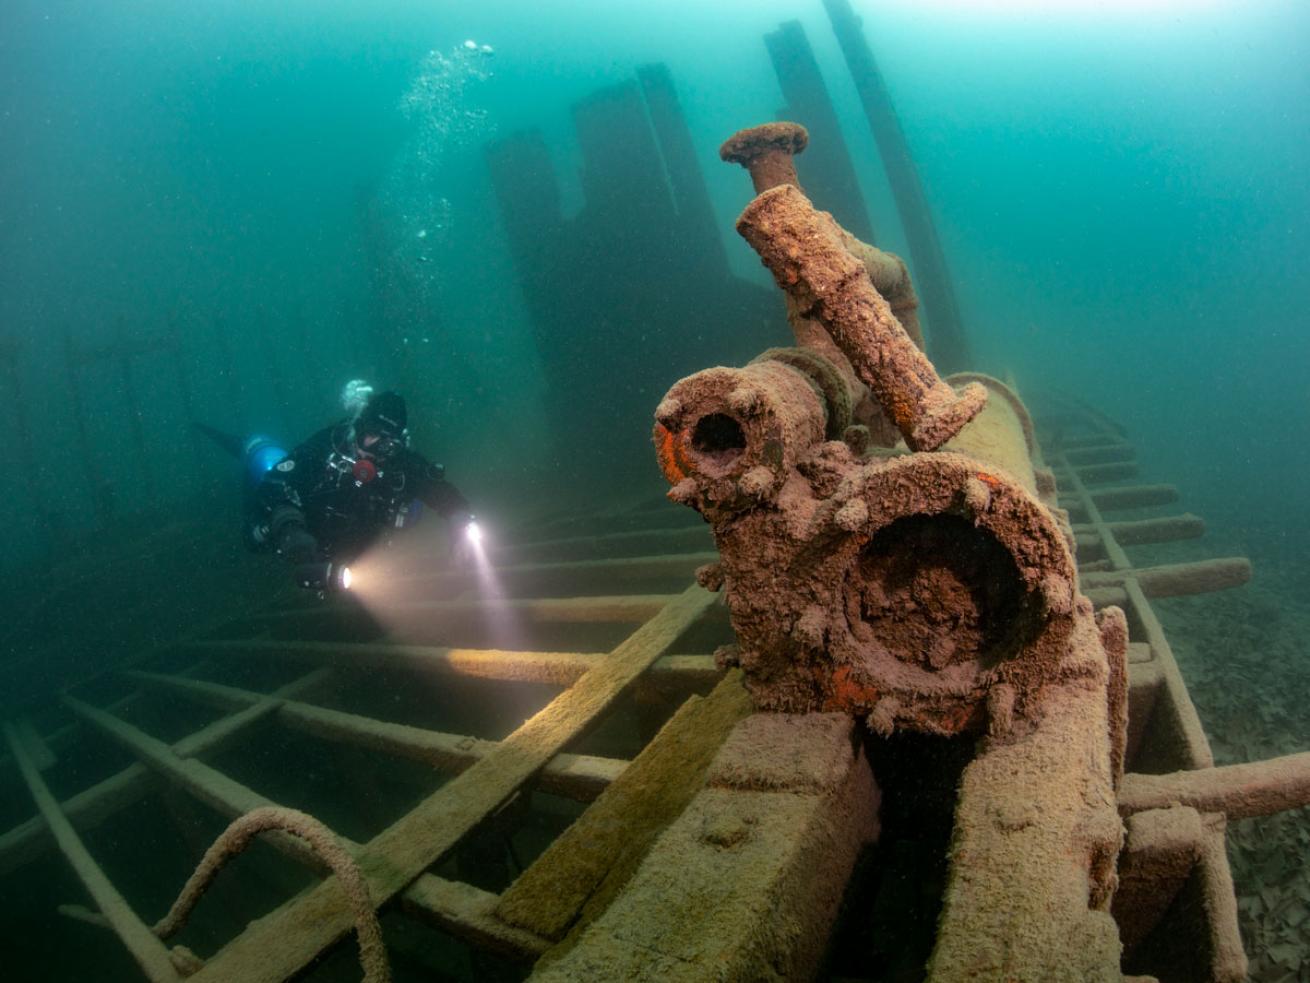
(260, 455)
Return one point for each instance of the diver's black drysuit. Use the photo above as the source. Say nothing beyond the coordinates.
(326, 501)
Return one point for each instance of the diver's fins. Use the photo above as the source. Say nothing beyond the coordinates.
(236, 446)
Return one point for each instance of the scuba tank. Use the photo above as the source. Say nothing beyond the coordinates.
(259, 456)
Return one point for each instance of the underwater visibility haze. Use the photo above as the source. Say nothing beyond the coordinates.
(515, 215)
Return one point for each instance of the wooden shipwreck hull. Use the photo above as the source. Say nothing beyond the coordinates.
(724, 848)
(901, 710)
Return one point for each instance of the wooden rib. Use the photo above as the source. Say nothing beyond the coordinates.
(1260, 788)
(1111, 453)
(29, 840)
(230, 798)
(649, 541)
(1126, 497)
(657, 536)
(150, 953)
(553, 668)
(576, 776)
(623, 569)
(618, 609)
(1219, 902)
(1096, 474)
(222, 794)
(1177, 579)
(1165, 529)
(283, 942)
(1183, 720)
(38, 752)
(466, 911)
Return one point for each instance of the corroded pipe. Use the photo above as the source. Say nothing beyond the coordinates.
(727, 438)
(804, 250)
(1001, 434)
(766, 152)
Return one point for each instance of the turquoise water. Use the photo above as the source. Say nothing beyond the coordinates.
(299, 194)
(1119, 194)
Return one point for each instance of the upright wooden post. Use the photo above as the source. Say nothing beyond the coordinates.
(699, 229)
(828, 175)
(946, 341)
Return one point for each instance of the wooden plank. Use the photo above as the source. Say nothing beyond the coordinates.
(464, 910)
(620, 609)
(38, 751)
(576, 776)
(553, 668)
(586, 867)
(458, 910)
(1178, 579)
(149, 952)
(1126, 497)
(281, 944)
(1257, 788)
(29, 840)
(559, 573)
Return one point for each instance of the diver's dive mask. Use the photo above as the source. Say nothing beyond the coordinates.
(382, 446)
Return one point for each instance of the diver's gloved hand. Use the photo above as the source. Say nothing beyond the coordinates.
(290, 537)
(297, 546)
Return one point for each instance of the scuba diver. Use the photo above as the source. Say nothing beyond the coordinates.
(342, 490)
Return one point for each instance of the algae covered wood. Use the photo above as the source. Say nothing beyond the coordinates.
(746, 882)
(586, 867)
(150, 953)
(284, 942)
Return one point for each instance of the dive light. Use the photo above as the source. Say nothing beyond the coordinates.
(324, 577)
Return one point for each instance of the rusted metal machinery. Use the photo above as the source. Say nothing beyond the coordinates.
(935, 590)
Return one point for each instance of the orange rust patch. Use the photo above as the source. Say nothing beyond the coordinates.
(845, 693)
(670, 454)
(903, 412)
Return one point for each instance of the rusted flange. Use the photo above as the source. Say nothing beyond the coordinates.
(766, 151)
(837, 389)
(931, 595)
(727, 438)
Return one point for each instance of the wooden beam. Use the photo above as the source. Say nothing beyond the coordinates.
(459, 911)
(1258, 788)
(285, 941)
(575, 776)
(553, 668)
(149, 952)
(618, 609)
(28, 841)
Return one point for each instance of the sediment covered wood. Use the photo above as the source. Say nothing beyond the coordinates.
(284, 942)
(1260, 788)
(150, 953)
(745, 884)
(585, 868)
